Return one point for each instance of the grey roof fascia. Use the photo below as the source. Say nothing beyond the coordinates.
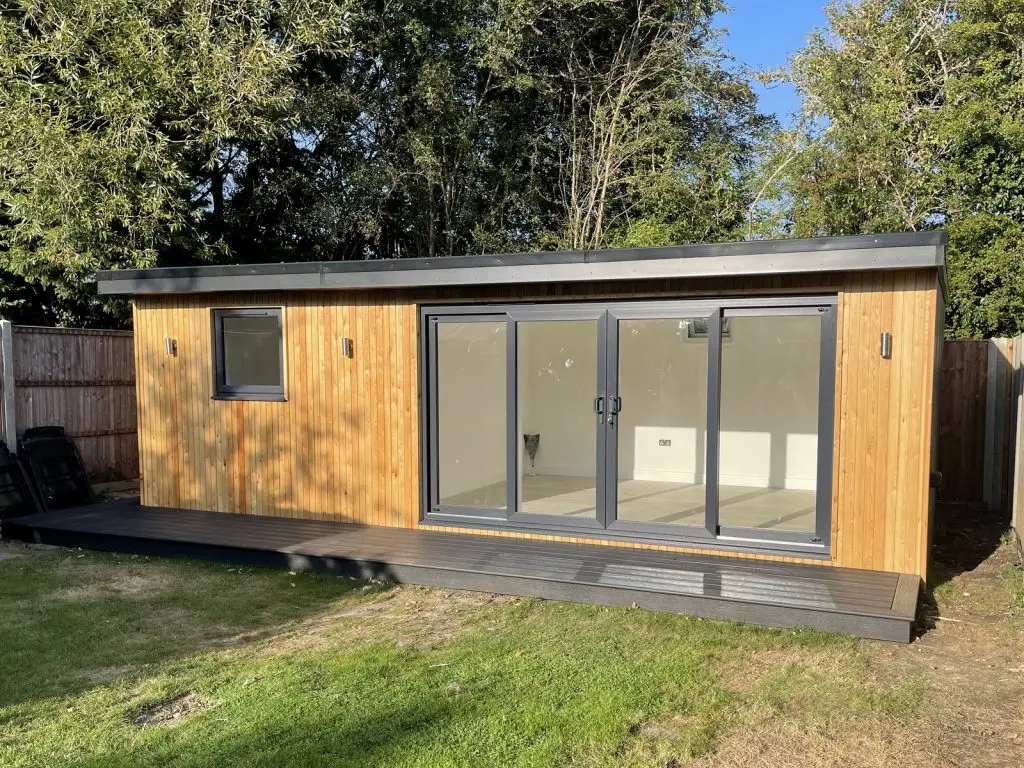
(756, 258)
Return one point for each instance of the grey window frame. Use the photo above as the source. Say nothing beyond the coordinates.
(827, 311)
(661, 311)
(431, 434)
(816, 545)
(224, 391)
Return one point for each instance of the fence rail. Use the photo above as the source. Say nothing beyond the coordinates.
(78, 378)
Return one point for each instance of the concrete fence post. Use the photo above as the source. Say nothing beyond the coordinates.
(8, 431)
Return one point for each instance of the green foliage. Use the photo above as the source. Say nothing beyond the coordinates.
(115, 112)
(262, 130)
(505, 126)
(914, 119)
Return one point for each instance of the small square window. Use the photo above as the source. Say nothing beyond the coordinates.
(249, 354)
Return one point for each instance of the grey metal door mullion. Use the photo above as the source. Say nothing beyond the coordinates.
(826, 424)
(607, 464)
(433, 488)
(712, 436)
(512, 417)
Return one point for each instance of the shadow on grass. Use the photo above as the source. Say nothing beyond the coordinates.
(316, 739)
(75, 620)
(547, 684)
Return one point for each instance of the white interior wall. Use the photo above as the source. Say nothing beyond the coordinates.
(769, 419)
(557, 386)
(769, 402)
(664, 388)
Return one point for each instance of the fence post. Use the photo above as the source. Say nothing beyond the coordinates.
(991, 399)
(7, 429)
(1017, 488)
(997, 435)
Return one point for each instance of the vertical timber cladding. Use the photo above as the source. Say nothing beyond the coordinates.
(345, 445)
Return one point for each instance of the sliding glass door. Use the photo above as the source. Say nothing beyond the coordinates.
(775, 423)
(468, 414)
(658, 384)
(514, 425)
(559, 361)
(700, 421)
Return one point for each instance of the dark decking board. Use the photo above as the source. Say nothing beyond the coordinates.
(864, 603)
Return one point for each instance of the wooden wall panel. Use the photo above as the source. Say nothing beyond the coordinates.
(345, 446)
(338, 448)
(883, 443)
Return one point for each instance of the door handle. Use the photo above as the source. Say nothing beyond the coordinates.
(599, 409)
(614, 406)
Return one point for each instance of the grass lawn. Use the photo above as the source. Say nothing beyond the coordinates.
(117, 660)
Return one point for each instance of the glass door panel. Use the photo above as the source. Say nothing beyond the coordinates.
(557, 383)
(470, 414)
(768, 440)
(661, 424)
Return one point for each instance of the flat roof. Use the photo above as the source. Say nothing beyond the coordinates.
(858, 253)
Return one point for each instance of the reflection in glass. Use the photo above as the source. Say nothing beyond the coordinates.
(252, 350)
(471, 364)
(768, 464)
(557, 383)
(663, 382)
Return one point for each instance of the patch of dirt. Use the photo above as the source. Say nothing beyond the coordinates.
(747, 673)
(788, 743)
(119, 489)
(972, 657)
(123, 584)
(969, 658)
(168, 712)
(408, 615)
(104, 675)
(15, 548)
(668, 729)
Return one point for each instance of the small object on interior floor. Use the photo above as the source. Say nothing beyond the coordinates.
(532, 444)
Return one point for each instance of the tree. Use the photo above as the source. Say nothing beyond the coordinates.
(914, 119)
(280, 130)
(469, 127)
(120, 117)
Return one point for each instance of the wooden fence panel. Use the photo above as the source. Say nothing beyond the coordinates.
(963, 405)
(83, 380)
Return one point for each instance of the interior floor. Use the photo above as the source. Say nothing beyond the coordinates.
(654, 502)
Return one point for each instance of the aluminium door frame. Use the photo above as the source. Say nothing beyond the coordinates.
(826, 308)
(605, 525)
(658, 310)
(555, 313)
(430, 489)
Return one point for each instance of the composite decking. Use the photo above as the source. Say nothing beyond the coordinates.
(865, 603)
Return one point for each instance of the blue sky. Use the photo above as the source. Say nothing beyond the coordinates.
(763, 34)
